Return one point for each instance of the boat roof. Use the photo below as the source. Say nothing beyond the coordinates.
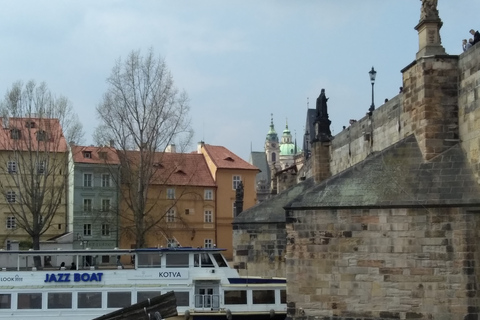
(89, 252)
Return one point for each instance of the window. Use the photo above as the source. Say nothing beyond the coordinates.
(60, 300)
(41, 135)
(11, 197)
(208, 243)
(176, 260)
(87, 229)
(30, 124)
(171, 215)
(234, 209)
(274, 157)
(183, 298)
(236, 182)
(222, 263)
(11, 223)
(145, 295)
(87, 154)
(29, 301)
(87, 205)
(235, 297)
(105, 205)
(5, 300)
(87, 180)
(170, 193)
(263, 296)
(91, 300)
(208, 194)
(12, 166)
(105, 180)
(105, 230)
(119, 299)
(15, 134)
(283, 296)
(208, 216)
(41, 167)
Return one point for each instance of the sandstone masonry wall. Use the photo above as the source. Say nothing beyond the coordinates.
(383, 264)
(469, 105)
(369, 134)
(260, 249)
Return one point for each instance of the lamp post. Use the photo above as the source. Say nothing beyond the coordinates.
(373, 74)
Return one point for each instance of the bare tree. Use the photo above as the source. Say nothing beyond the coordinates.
(34, 158)
(142, 111)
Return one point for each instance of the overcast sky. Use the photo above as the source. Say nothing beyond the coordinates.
(238, 60)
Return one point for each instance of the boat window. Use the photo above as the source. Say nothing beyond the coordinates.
(235, 297)
(177, 260)
(145, 295)
(183, 298)
(29, 301)
(220, 260)
(206, 261)
(119, 299)
(196, 260)
(283, 296)
(59, 300)
(263, 296)
(91, 300)
(149, 260)
(5, 301)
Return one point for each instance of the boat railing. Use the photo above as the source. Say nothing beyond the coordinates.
(207, 302)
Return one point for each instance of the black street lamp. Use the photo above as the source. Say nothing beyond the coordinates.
(373, 74)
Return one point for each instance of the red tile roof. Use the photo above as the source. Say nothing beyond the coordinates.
(225, 159)
(95, 155)
(27, 130)
(179, 169)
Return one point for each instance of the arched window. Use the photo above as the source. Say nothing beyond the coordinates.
(274, 156)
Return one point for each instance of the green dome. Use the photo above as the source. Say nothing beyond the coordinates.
(287, 149)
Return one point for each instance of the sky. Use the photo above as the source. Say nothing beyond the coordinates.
(238, 60)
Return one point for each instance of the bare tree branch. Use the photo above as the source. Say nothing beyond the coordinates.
(142, 111)
(34, 155)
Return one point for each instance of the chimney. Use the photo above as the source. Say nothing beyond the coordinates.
(112, 143)
(200, 146)
(171, 148)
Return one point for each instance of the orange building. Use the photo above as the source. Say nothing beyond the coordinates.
(180, 207)
(228, 170)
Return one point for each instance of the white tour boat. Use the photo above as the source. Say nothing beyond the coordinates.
(85, 284)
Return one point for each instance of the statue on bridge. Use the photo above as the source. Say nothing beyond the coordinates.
(322, 105)
(429, 9)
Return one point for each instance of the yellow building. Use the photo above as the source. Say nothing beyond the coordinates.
(33, 179)
(228, 170)
(180, 207)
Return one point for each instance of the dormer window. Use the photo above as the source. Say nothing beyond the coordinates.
(229, 159)
(87, 154)
(30, 124)
(41, 135)
(15, 134)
